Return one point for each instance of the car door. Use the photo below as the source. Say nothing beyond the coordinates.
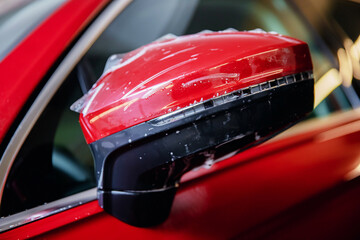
(272, 190)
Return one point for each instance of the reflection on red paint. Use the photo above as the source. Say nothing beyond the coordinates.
(184, 71)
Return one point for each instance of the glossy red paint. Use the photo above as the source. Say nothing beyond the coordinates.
(41, 226)
(272, 191)
(183, 71)
(24, 67)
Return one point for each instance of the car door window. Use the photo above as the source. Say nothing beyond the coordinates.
(55, 161)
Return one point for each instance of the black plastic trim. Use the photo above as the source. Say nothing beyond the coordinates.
(142, 161)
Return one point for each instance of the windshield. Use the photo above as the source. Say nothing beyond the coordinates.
(19, 17)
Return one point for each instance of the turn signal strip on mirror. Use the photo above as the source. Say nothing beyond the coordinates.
(238, 94)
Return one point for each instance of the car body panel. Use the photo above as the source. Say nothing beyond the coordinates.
(25, 66)
(255, 193)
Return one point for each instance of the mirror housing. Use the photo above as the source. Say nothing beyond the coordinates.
(174, 104)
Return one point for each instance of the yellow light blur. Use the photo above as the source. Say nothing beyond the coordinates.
(349, 68)
(345, 67)
(339, 132)
(354, 52)
(354, 173)
(326, 84)
(125, 105)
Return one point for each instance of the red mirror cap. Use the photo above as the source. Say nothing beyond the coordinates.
(162, 77)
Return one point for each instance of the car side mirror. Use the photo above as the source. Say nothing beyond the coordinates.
(174, 104)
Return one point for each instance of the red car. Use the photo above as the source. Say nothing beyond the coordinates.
(301, 184)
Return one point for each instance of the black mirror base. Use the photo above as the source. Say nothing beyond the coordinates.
(138, 208)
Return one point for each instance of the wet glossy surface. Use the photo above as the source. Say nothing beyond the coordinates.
(275, 190)
(164, 76)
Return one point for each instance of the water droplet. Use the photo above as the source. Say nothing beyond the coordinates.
(171, 153)
(177, 132)
(140, 157)
(145, 134)
(129, 140)
(186, 148)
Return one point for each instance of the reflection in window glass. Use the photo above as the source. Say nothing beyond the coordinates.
(19, 17)
(55, 161)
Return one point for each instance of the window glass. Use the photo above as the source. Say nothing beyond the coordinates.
(54, 161)
(19, 17)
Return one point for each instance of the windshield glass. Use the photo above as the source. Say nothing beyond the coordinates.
(19, 17)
